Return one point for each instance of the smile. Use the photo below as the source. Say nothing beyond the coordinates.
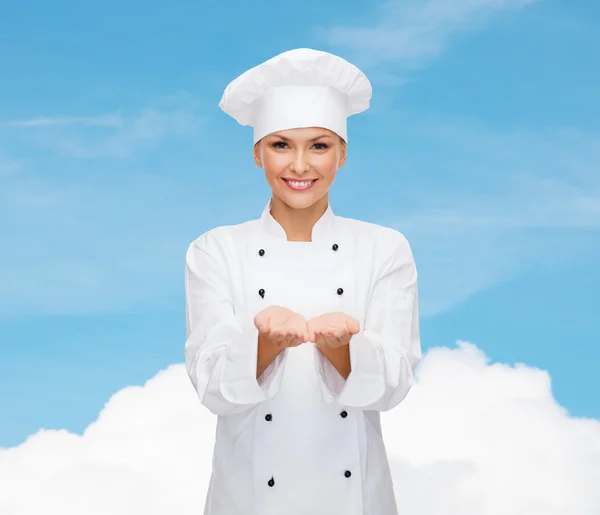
(300, 185)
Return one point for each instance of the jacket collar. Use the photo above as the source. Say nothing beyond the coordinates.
(322, 230)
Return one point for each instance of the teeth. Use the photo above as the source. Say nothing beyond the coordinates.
(302, 184)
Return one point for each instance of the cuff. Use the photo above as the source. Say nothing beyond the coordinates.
(239, 384)
(331, 382)
(366, 382)
(270, 379)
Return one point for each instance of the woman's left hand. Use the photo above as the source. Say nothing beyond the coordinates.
(332, 329)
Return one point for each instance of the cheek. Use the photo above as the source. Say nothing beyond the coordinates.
(327, 166)
(273, 164)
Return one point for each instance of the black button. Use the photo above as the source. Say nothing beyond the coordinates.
(261, 252)
(261, 292)
(347, 473)
(271, 482)
(335, 246)
(344, 414)
(268, 417)
(340, 291)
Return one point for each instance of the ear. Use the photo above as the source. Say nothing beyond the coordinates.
(256, 154)
(343, 155)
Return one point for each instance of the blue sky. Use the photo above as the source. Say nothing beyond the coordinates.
(482, 145)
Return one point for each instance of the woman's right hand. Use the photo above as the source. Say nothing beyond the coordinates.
(281, 327)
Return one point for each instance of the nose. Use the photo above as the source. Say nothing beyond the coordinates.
(299, 164)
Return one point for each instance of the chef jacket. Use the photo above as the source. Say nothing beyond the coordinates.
(300, 439)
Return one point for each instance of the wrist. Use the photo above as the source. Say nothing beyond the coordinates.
(339, 357)
(329, 351)
(266, 353)
(266, 345)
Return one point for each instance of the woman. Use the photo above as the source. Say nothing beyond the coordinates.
(301, 325)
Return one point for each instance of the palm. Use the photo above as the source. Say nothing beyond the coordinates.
(279, 322)
(282, 326)
(329, 322)
(332, 329)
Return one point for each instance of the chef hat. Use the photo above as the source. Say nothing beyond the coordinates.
(298, 88)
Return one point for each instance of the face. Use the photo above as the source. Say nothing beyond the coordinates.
(300, 164)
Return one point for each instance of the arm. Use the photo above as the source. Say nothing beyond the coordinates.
(385, 353)
(267, 352)
(339, 358)
(221, 354)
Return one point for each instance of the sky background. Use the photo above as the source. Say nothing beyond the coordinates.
(482, 146)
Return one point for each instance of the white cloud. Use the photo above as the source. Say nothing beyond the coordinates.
(472, 438)
(412, 32)
(97, 228)
(147, 127)
(108, 236)
(109, 135)
(490, 204)
(107, 120)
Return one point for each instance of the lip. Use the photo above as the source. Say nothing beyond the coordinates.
(287, 181)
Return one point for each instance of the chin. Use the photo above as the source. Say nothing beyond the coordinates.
(299, 201)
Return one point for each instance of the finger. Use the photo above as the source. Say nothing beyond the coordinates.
(294, 331)
(318, 341)
(331, 330)
(328, 340)
(267, 326)
(323, 339)
(339, 332)
(333, 341)
(353, 326)
(285, 340)
(278, 335)
(294, 341)
(298, 340)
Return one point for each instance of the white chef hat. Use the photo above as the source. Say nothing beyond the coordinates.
(298, 88)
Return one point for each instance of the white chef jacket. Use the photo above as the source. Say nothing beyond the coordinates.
(300, 439)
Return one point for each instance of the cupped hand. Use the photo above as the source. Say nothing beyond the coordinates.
(281, 326)
(332, 329)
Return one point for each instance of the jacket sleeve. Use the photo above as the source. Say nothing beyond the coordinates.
(387, 350)
(221, 352)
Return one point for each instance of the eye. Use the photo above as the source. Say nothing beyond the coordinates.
(277, 144)
(322, 145)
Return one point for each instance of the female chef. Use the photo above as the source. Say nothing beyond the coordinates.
(302, 326)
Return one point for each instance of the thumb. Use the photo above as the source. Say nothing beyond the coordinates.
(306, 333)
(266, 326)
(352, 325)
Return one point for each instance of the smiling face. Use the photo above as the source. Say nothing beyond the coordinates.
(300, 164)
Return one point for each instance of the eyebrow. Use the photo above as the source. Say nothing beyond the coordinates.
(312, 139)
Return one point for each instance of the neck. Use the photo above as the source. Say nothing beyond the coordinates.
(298, 223)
